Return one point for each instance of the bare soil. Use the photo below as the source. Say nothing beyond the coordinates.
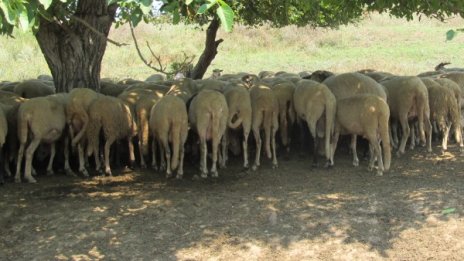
(413, 212)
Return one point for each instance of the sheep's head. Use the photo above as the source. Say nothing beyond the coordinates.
(216, 73)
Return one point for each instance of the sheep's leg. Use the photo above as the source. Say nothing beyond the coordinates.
(312, 129)
(180, 169)
(108, 144)
(354, 140)
(167, 156)
(67, 167)
(245, 148)
(224, 150)
(204, 152)
(29, 155)
(377, 153)
(82, 168)
(257, 120)
(162, 157)
(154, 164)
(333, 146)
(405, 128)
(412, 138)
(19, 162)
(132, 155)
(143, 165)
(446, 131)
(214, 148)
(275, 164)
(52, 157)
(6, 164)
(394, 130)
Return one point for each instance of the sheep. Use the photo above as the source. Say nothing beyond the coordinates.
(240, 113)
(265, 74)
(315, 103)
(457, 77)
(455, 89)
(169, 123)
(183, 88)
(155, 78)
(45, 77)
(209, 84)
(208, 113)
(284, 95)
(3, 134)
(348, 84)
(408, 98)
(33, 88)
(366, 115)
(114, 117)
(216, 74)
(44, 119)
(111, 89)
(77, 118)
(265, 110)
(444, 111)
(8, 86)
(148, 86)
(319, 75)
(378, 76)
(140, 102)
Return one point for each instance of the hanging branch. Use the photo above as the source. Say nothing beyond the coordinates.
(91, 28)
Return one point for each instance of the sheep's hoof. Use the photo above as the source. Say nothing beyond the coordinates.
(246, 166)
(254, 167)
(31, 180)
(168, 175)
(356, 163)
(33, 172)
(69, 172)
(84, 172)
(50, 172)
(379, 174)
(275, 165)
(204, 175)
(17, 180)
(179, 176)
(328, 165)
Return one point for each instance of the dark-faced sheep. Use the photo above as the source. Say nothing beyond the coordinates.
(114, 117)
(265, 110)
(169, 125)
(408, 98)
(365, 115)
(43, 119)
(208, 113)
(315, 103)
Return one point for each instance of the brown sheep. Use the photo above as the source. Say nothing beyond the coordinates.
(169, 124)
(114, 117)
(315, 103)
(77, 117)
(239, 104)
(208, 114)
(265, 110)
(44, 119)
(33, 88)
(408, 98)
(366, 115)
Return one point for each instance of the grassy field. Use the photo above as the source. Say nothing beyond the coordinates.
(378, 42)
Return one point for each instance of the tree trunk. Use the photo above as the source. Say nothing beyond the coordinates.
(72, 50)
(210, 51)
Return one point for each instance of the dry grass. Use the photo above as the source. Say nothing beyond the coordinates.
(378, 42)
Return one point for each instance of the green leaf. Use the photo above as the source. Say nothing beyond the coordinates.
(46, 3)
(176, 17)
(10, 15)
(202, 9)
(24, 21)
(226, 15)
(447, 211)
(188, 2)
(450, 35)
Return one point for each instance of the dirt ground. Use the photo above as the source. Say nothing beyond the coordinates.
(413, 212)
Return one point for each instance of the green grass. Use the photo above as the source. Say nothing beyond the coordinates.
(378, 42)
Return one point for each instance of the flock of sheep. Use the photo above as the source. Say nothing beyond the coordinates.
(224, 109)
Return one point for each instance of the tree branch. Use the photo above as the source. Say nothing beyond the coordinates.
(91, 28)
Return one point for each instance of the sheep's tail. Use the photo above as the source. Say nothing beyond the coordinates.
(385, 137)
(78, 137)
(144, 132)
(238, 121)
(175, 130)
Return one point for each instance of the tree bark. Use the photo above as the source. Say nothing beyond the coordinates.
(210, 51)
(72, 50)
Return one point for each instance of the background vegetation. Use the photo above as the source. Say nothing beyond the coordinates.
(378, 42)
